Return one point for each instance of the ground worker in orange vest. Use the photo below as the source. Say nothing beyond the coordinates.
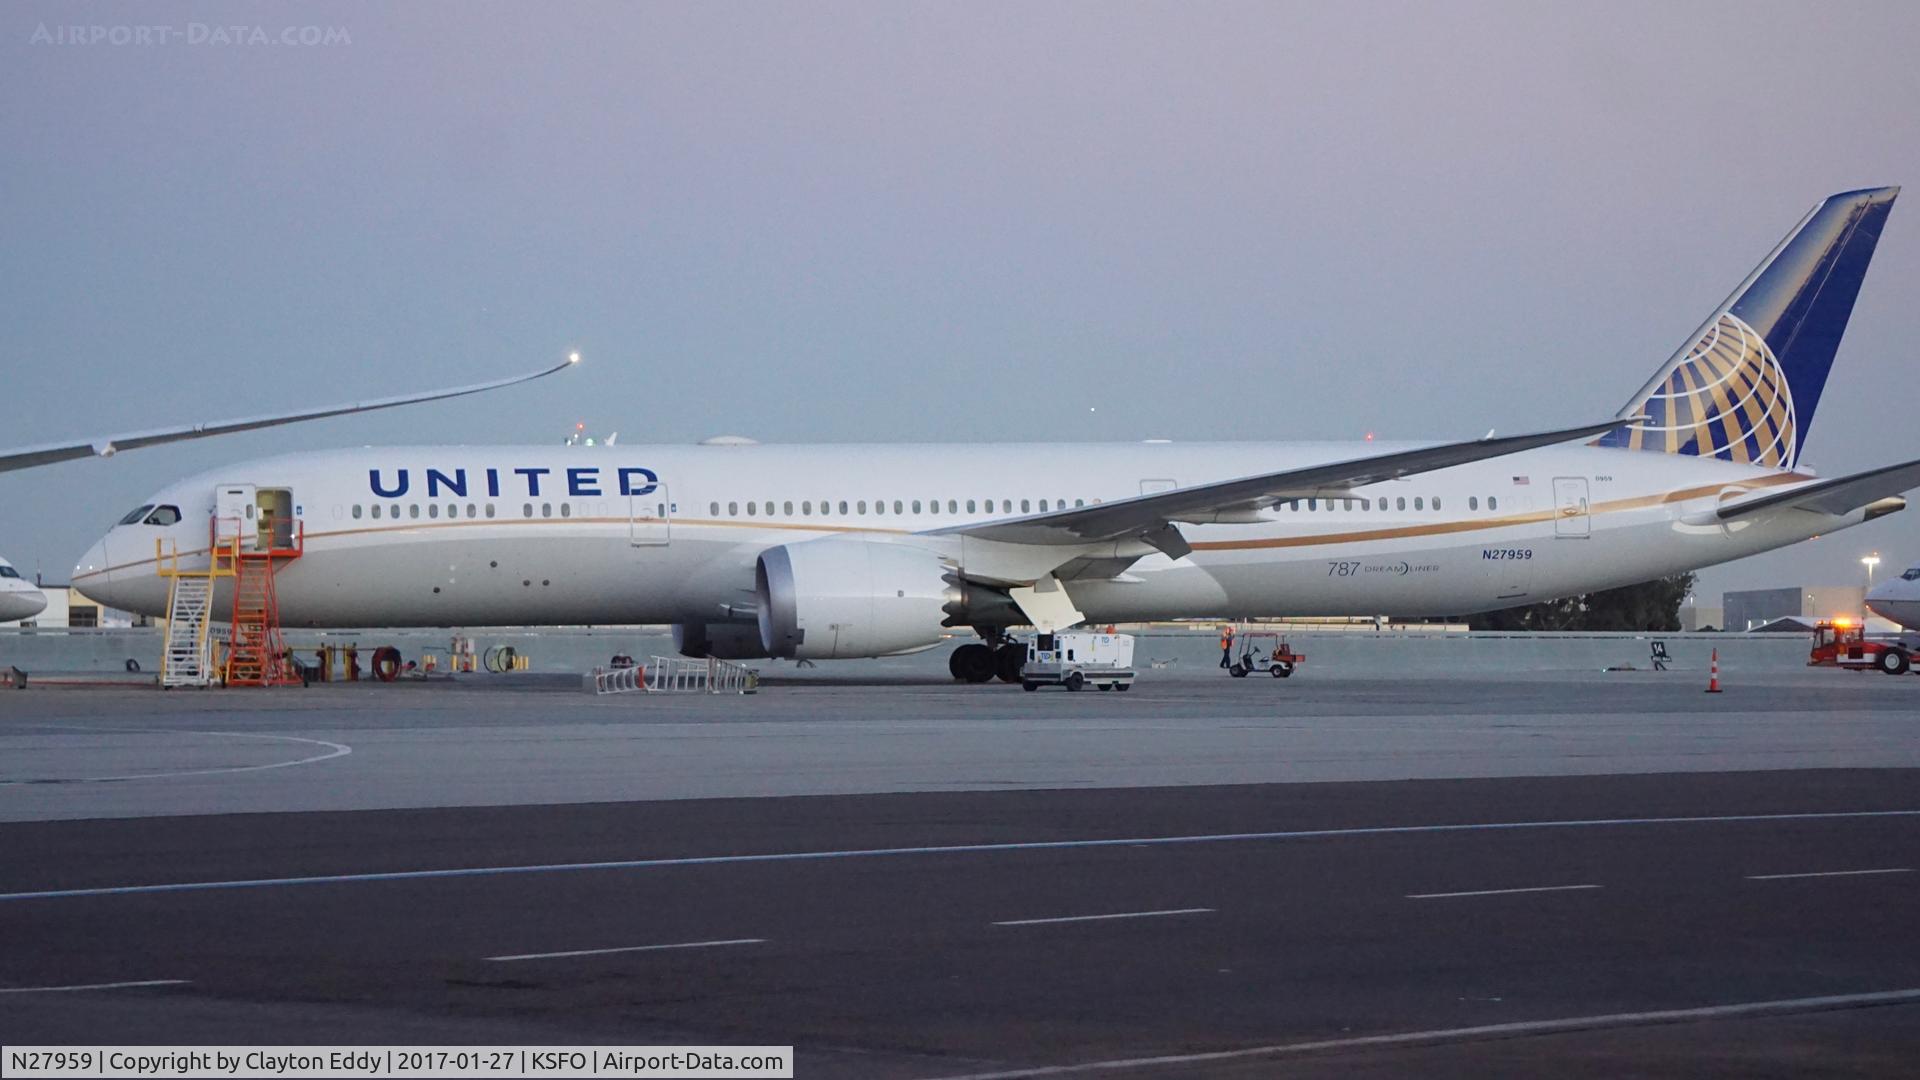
(1226, 645)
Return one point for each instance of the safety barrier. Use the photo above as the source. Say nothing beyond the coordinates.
(678, 675)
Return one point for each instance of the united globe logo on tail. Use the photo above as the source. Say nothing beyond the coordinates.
(1746, 387)
(1728, 399)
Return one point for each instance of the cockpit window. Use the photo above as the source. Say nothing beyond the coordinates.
(8, 571)
(164, 515)
(136, 515)
(1911, 575)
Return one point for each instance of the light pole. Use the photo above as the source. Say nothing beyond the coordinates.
(1869, 561)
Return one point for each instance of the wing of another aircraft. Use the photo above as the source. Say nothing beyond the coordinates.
(1839, 495)
(1152, 518)
(26, 457)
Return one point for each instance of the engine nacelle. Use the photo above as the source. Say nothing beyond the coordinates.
(841, 598)
(722, 641)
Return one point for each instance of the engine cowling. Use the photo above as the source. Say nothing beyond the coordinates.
(841, 598)
(722, 641)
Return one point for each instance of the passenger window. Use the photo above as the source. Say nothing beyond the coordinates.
(393, 511)
(1025, 507)
(433, 510)
(713, 509)
(843, 507)
(546, 510)
(356, 511)
(806, 508)
(752, 508)
(970, 506)
(470, 510)
(916, 506)
(1006, 506)
(953, 506)
(489, 509)
(526, 509)
(413, 510)
(1313, 504)
(1493, 503)
(1419, 503)
(1077, 503)
(1401, 502)
(1043, 506)
(1436, 502)
(1473, 502)
(376, 509)
(566, 509)
(897, 508)
(787, 508)
(861, 506)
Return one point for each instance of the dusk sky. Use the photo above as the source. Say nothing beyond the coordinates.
(953, 223)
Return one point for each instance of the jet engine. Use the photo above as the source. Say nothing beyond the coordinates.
(838, 598)
(722, 641)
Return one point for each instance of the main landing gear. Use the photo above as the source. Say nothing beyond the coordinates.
(981, 662)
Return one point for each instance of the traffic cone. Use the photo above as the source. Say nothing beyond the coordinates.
(1713, 676)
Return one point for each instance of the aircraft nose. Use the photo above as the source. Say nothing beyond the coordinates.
(93, 574)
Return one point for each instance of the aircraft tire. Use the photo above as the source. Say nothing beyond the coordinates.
(973, 663)
(1007, 662)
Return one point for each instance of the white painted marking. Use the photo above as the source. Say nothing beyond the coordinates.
(1097, 918)
(91, 986)
(1829, 873)
(627, 949)
(1497, 892)
(949, 849)
(333, 750)
(1446, 1035)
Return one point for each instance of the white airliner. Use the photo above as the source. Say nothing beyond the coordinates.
(831, 551)
(1898, 600)
(19, 599)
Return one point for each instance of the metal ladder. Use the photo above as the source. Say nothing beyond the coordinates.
(186, 660)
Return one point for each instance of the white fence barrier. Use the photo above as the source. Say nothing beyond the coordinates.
(678, 675)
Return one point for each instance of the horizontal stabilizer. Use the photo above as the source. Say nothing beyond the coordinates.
(1149, 517)
(1840, 495)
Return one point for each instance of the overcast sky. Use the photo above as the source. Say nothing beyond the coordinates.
(953, 222)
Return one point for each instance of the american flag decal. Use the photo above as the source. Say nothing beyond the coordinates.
(1521, 481)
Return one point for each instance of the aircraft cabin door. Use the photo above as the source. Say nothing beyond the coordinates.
(1572, 516)
(650, 518)
(234, 512)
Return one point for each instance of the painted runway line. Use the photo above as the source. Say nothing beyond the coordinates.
(1485, 1031)
(1829, 873)
(1101, 918)
(1497, 892)
(92, 986)
(627, 949)
(947, 849)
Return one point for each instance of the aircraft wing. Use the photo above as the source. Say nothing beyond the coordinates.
(1152, 517)
(1839, 495)
(26, 457)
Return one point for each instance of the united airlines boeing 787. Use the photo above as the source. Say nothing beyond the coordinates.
(826, 551)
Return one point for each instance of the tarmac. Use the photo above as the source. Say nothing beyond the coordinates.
(1351, 873)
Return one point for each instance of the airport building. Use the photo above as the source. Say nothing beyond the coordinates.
(1746, 609)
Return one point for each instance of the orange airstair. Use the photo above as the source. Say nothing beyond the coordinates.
(256, 653)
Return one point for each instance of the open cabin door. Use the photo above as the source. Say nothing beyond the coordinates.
(234, 514)
(650, 518)
(1572, 516)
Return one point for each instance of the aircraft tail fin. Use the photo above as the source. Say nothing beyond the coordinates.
(1745, 386)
